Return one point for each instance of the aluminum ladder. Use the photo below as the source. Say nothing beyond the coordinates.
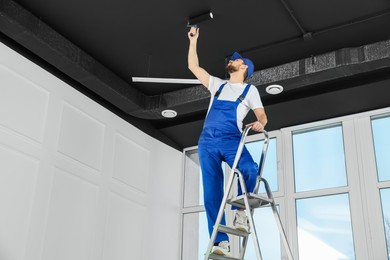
(248, 201)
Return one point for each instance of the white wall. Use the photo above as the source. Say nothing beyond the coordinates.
(76, 181)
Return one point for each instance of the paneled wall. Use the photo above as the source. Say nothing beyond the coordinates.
(76, 181)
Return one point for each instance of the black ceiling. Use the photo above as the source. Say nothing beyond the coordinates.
(98, 46)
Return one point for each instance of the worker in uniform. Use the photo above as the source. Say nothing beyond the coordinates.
(230, 102)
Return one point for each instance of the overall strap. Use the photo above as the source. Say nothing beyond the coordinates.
(243, 95)
(219, 90)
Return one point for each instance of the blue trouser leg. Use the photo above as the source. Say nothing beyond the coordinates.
(213, 186)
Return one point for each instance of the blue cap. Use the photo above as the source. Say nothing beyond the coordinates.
(247, 62)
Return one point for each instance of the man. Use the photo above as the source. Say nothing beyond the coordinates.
(219, 140)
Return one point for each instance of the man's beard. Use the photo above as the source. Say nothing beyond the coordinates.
(230, 68)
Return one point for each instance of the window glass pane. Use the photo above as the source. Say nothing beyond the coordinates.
(385, 196)
(193, 195)
(270, 171)
(319, 159)
(381, 135)
(324, 228)
(268, 235)
(195, 236)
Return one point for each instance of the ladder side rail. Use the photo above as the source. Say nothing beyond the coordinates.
(262, 161)
(244, 244)
(245, 240)
(278, 220)
(250, 219)
(240, 148)
(227, 188)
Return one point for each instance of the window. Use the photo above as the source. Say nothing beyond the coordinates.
(270, 171)
(381, 136)
(193, 195)
(324, 228)
(385, 197)
(195, 236)
(268, 235)
(380, 131)
(319, 159)
(323, 178)
(323, 216)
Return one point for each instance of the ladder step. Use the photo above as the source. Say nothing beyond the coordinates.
(221, 257)
(233, 231)
(255, 201)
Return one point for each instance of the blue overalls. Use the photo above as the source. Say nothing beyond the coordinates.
(219, 142)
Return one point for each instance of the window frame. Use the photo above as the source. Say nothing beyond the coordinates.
(363, 188)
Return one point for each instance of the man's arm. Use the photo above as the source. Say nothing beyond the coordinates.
(261, 120)
(193, 61)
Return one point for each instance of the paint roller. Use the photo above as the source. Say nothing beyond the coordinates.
(194, 21)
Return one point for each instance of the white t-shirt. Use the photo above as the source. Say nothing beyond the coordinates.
(231, 91)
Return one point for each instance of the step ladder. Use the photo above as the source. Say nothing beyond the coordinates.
(248, 201)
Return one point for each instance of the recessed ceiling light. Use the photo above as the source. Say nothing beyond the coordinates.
(274, 89)
(168, 113)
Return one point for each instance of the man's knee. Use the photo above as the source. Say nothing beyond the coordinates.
(249, 168)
